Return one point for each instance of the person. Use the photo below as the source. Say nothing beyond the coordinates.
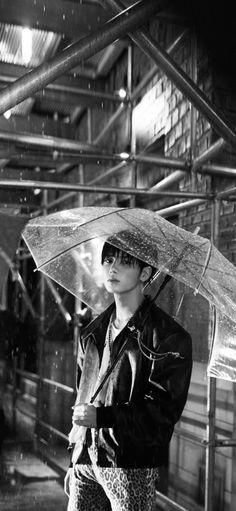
(134, 370)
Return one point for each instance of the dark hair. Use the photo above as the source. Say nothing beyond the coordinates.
(110, 250)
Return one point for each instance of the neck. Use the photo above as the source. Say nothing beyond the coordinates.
(126, 305)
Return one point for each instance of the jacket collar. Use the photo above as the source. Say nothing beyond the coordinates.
(98, 321)
(134, 324)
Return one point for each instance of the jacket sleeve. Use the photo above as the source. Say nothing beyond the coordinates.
(152, 419)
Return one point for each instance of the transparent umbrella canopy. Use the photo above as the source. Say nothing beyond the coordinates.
(59, 244)
(66, 246)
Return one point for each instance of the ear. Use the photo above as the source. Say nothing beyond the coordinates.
(145, 273)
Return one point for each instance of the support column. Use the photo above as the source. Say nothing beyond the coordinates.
(211, 388)
(40, 351)
(193, 111)
(133, 165)
(80, 203)
(233, 471)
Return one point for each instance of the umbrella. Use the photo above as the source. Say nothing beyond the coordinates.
(66, 246)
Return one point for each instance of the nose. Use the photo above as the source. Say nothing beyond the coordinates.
(113, 265)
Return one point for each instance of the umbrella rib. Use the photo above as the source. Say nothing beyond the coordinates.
(184, 263)
(77, 244)
(208, 256)
(64, 252)
(187, 248)
(178, 256)
(174, 261)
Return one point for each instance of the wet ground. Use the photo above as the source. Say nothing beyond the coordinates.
(27, 483)
(30, 482)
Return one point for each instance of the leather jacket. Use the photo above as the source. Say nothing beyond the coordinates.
(144, 398)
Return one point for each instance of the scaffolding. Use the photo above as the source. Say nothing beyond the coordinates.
(128, 21)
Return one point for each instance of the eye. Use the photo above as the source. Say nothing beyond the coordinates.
(108, 260)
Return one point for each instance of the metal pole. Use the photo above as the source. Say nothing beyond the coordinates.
(220, 170)
(175, 73)
(172, 163)
(211, 389)
(176, 208)
(226, 193)
(89, 93)
(233, 474)
(196, 166)
(70, 89)
(41, 339)
(210, 153)
(78, 303)
(78, 157)
(107, 173)
(129, 92)
(70, 57)
(132, 139)
(14, 392)
(169, 163)
(19, 281)
(136, 92)
(110, 123)
(205, 169)
(89, 125)
(64, 312)
(150, 75)
(53, 143)
(47, 185)
(177, 176)
(193, 111)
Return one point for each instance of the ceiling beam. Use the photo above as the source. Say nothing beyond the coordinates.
(45, 142)
(84, 48)
(37, 125)
(82, 91)
(60, 16)
(10, 72)
(79, 97)
(30, 184)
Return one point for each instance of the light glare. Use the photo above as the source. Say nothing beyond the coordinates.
(122, 93)
(124, 155)
(7, 114)
(26, 44)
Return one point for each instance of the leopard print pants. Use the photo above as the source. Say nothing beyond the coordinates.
(94, 488)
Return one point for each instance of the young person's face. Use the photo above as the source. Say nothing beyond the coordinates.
(121, 277)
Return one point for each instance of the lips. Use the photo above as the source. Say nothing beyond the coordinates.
(113, 280)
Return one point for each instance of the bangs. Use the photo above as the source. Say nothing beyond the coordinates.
(125, 258)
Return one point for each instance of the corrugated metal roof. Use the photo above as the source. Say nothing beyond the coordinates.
(44, 45)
